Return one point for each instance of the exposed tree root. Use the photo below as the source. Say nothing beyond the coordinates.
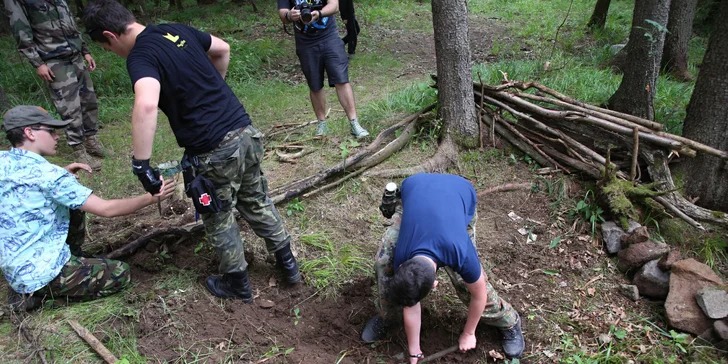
(506, 187)
(446, 156)
(130, 248)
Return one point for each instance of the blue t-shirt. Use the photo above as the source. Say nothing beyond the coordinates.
(436, 211)
(35, 198)
(200, 106)
(310, 34)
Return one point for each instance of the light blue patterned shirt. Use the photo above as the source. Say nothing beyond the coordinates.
(35, 197)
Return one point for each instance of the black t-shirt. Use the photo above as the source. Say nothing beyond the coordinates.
(310, 34)
(200, 106)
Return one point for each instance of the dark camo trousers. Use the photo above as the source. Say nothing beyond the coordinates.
(86, 277)
(234, 169)
(74, 97)
(498, 312)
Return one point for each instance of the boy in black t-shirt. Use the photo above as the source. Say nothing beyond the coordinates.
(182, 71)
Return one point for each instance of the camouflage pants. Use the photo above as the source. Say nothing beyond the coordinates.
(73, 95)
(498, 312)
(234, 169)
(86, 277)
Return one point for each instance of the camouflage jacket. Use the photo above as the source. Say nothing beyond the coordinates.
(44, 29)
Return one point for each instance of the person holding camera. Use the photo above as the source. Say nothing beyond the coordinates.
(319, 48)
(182, 71)
(433, 227)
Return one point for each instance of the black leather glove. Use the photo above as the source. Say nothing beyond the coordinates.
(148, 176)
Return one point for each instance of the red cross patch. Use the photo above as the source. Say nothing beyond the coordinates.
(205, 199)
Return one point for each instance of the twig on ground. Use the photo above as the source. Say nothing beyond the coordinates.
(506, 187)
(93, 342)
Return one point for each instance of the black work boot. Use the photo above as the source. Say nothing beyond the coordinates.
(287, 262)
(374, 330)
(513, 343)
(231, 285)
(23, 302)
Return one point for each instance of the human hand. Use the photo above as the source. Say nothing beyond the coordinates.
(467, 341)
(415, 360)
(45, 73)
(294, 15)
(90, 61)
(73, 168)
(315, 15)
(167, 189)
(148, 176)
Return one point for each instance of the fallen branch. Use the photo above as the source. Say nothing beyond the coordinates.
(506, 187)
(445, 156)
(130, 248)
(93, 342)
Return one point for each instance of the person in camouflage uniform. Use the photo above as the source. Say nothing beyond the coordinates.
(42, 216)
(181, 71)
(434, 206)
(46, 34)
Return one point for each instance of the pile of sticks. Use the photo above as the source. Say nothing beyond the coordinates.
(561, 132)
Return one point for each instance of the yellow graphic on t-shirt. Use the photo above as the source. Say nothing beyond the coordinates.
(173, 38)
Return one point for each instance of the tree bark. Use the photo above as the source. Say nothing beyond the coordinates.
(454, 70)
(599, 16)
(679, 32)
(4, 101)
(636, 93)
(707, 121)
(4, 20)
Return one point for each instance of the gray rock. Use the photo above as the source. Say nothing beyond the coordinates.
(612, 236)
(630, 291)
(721, 328)
(637, 254)
(651, 281)
(687, 277)
(713, 301)
(632, 226)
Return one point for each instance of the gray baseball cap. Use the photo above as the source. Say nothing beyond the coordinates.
(25, 115)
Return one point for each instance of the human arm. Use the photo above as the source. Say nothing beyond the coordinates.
(331, 8)
(119, 207)
(412, 324)
(23, 32)
(219, 54)
(478, 300)
(144, 116)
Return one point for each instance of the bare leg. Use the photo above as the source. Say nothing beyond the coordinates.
(346, 99)
(318, 99)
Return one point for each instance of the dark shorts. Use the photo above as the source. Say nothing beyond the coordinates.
(329, 55)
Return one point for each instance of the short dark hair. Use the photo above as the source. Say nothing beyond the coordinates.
(100, 15)
(16, 136)
(412, 282)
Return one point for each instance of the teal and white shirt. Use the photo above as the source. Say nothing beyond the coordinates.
(35, 198)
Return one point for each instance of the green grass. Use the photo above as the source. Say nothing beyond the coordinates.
(334, 264)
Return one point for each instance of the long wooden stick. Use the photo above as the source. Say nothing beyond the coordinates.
(506, 187)
(93, 341)
(440, 354)
(635, 155)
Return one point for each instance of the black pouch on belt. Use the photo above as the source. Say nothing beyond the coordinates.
(199, 188)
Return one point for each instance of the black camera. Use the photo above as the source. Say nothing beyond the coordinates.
(389, 199)
(306, 8)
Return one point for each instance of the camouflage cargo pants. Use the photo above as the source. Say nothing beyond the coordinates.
(498, 312)
(74, 97)
(234, 169)
(86, 277)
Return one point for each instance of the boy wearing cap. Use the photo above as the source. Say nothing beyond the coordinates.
(42, 217)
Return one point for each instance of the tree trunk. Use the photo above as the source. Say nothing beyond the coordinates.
(707, 121)
(454, 71)
(636, 93)
(599, 16)
(679, 32)
(4, 20)
(206, 2)
(4, 101)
